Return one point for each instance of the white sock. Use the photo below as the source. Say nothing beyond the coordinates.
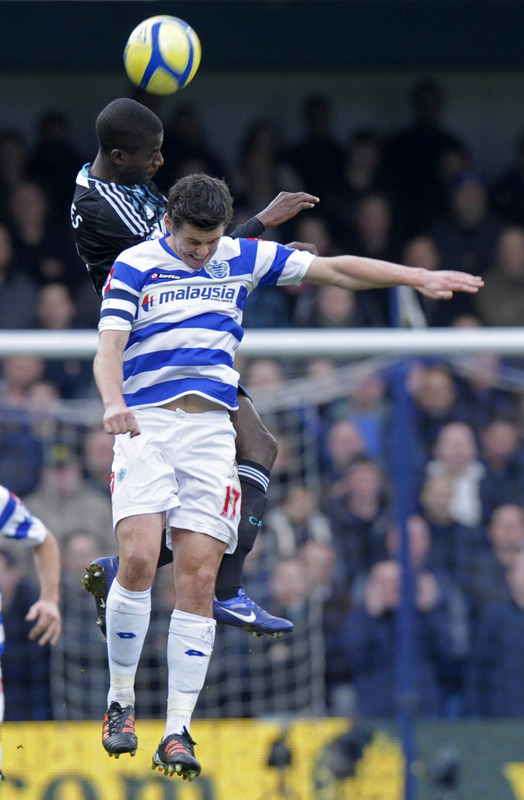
(127, 621)
(189, 647)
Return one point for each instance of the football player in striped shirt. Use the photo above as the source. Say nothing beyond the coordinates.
(17, 523)
(170, 324)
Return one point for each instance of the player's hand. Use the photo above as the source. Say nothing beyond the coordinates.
(285, 206)
(119, 419)
(48, 622)
(440, 284)
(308, 247)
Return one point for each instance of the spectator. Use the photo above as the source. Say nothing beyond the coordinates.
(412, 156)
(13, 166)
(435, 404)
(467, 233)
(317, 156)
(98, 454)
(507, 192)
(494, 677)
(77, 686)
(56, 310)
(45, 246)
(456, 457)
(367, 406)
(454, 545)
(295, 521)
(501, 453)
(185, 139)
(485, 580)
(415, 310)
(370, 645)
(64, 498)
(501, 303)
(356, 509)
(54, 161)
(17, 289)
(343, 443)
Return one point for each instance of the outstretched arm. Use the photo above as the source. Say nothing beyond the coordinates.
(355, 272)
(46, 612)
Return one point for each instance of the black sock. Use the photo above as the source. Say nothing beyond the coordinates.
(229, 578)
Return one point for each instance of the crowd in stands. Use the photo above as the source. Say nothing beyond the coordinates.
(328, 555)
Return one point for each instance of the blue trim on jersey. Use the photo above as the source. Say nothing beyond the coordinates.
(212, 321)
(8, 511)
(181, 357)
(163, 392)
(23, 529)
(116, 312)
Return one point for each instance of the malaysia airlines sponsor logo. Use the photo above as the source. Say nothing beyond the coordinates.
(219, 294)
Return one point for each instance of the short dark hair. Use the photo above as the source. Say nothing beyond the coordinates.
(201, 201)
(126, 125)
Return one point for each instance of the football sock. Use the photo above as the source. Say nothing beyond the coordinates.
(127, 623)
(254, 480)
(189, 648)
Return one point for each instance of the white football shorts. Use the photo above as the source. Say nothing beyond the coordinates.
(183, 464)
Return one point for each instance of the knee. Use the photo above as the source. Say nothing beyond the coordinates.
(136, 569)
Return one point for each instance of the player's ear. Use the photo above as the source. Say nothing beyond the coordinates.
(167, 223)
(118, 156)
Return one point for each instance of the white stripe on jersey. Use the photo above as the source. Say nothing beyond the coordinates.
(124, 208)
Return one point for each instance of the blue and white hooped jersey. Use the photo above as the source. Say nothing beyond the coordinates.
(186, 325)
(17, 522)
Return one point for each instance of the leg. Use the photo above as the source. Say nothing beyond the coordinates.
(190, 645)
(128, 612)
(256, 453)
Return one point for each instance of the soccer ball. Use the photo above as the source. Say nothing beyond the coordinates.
(162, 54)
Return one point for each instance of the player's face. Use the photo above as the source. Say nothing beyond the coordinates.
(193, 246)
(142, 165)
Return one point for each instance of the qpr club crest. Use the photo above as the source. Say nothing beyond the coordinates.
(218, 269)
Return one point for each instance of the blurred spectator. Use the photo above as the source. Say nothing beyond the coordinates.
(485, 581)
(507, 192)
(356, 508)
(335, 307)
(45, 246)
(56, 310)
(64, 498)
(18, 374)
(417, 311)
(456, 457)
(98, 454)
(501, 301)
(54, 161)
(77, 661)
(13, 166)
(502, 456)
(342, 443)
(374, 235)
(453, 545)
(185, 139)
(435, 404)
(412, 156)
(17, 289)
(494, 686)
(261, 173)
(317, 156)
(483, 391)
(25, 664)
(370, 636)
(295, 521)
(466, 234)
(367, 406)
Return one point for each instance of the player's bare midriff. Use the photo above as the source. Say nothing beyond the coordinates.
(193, 404)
